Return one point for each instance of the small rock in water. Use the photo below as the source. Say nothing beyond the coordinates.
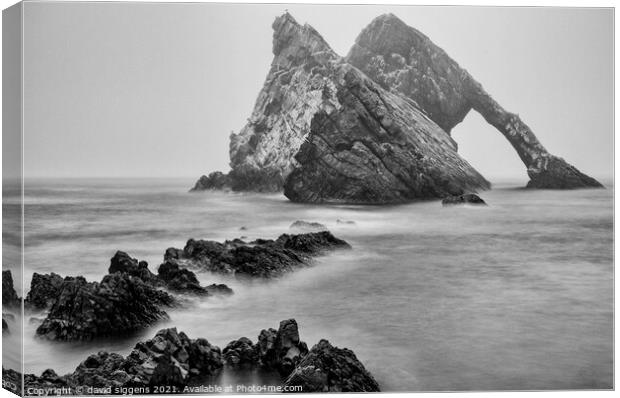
(346, 222)
(468, 198)
(5, 326)
(308, 225)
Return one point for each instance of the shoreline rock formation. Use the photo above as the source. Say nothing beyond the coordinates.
(373, 127)
(264, 258)
(172, 359)
(128, 299)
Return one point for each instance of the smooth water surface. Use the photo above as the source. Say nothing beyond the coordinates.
(516, 295)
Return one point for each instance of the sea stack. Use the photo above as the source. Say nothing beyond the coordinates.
(403, 60)
(371, 128)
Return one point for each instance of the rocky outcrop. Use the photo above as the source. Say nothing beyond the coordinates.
(259, 258)
(171, 358)
(403, 60)
(327, 133)
(44, 290)
(119, 304)
(9, 296)
(469, 198)
(330, 369)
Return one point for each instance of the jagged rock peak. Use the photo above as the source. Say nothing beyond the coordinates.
(288, 33)
(296, 87)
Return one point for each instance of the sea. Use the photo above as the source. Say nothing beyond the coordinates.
(517, 295)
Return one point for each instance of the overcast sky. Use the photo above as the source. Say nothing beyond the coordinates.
(155, 89)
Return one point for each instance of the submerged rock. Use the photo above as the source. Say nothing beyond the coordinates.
(406, 62)
(9, 296)
(345, 222)
(468, 198)
(119, 304)
(44, 290)
(300, 224)
(260, 258)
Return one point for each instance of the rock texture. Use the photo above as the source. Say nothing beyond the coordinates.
(259, 258)
(171, 358)
(405, 61)
(119, 304)
(330, 369)
(44, 290)
(168, 359)
(128, 299)
(376, 148)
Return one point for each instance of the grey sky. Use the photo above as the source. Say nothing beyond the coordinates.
(155, 89)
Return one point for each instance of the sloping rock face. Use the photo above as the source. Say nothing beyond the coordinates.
(403, 60)
(377, 148)
(261, 155)
(260, 258)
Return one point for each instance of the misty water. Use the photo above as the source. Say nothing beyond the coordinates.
(516, 295)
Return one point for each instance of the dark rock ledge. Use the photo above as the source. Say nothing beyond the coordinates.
(131, 297)
(260, 258)
(128, 299)
(171, 358)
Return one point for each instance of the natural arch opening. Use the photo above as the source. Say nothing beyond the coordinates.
(488, 151)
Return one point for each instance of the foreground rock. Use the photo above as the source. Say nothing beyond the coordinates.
(173, 359)
(330, 369)
(259, 258)
(469, 198)
(404, 61)
(9, 296)
(119, 304)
